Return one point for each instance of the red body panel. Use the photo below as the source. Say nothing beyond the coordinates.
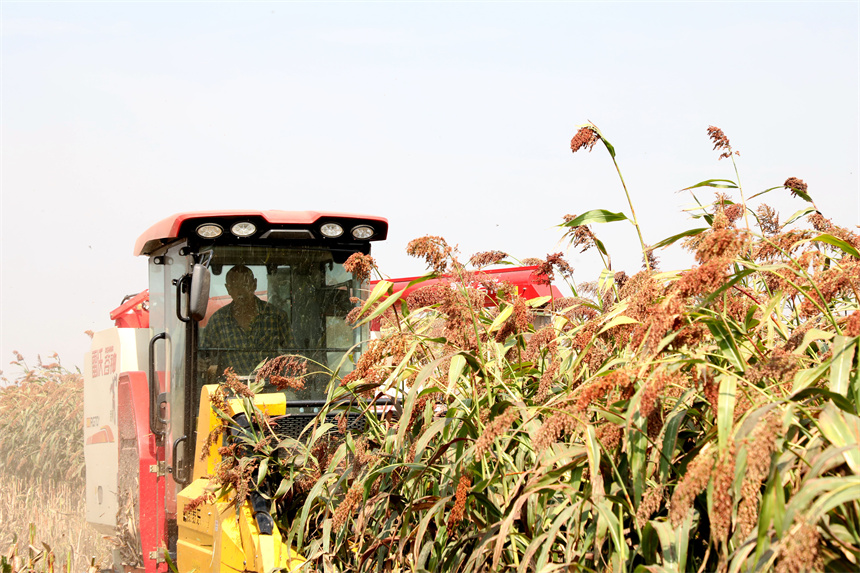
(133, 419)
(168, 228)
(528, 280)
(133, 313)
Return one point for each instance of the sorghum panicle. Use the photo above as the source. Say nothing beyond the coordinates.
(692, 483)
(794, 185)
(344, 510)
(585, 138)
(721, 142)
(651, 502)
(486, 258)
(359, 265)
(434, 250)
(494, 429)
(464, 485)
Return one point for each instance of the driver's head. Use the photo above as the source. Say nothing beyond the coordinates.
(240, 282)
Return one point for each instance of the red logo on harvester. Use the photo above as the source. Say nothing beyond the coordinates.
(103, 361)
(104, 435)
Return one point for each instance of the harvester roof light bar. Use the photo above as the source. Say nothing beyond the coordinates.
(362, 232)
(243, 229)
(209, 230)
(331, 230)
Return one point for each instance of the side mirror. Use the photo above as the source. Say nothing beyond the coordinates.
(198, 300)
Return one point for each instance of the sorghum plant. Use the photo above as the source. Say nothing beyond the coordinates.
(702, 420)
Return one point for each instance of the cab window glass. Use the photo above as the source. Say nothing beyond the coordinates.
(266, 302)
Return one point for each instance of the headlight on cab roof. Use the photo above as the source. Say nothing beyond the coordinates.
(362, 232)
(243, 229)
(209, 230)
(331, 230)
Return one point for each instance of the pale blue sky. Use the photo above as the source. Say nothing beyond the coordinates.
(451, 119)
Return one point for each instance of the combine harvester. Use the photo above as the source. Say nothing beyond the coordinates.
(148, 379)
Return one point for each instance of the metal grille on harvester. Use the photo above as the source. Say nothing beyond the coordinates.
(291, 425)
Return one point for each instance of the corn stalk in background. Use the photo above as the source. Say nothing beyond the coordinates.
(42, 503)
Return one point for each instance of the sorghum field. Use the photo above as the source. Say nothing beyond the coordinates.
(651, 421)
(687, 421)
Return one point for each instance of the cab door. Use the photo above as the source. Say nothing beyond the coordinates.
(169, 279)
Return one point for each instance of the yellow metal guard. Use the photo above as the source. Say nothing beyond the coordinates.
(219, 536)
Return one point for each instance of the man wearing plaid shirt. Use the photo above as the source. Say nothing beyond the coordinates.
(248, 330)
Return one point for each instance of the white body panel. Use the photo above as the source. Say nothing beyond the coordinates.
(113, 351)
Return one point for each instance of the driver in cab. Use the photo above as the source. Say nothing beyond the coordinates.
(247, 330)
